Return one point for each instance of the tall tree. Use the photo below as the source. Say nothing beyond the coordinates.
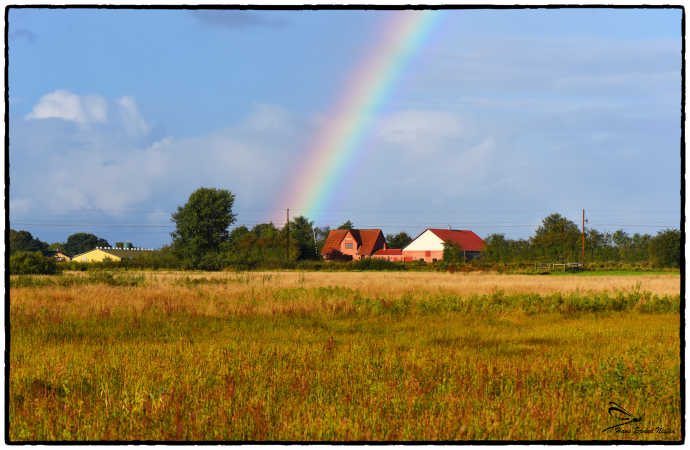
(664, 249)
(303, 233)
(557, 239)
(496, 248)
(346, 226)
(83, 242)
(23, 241)
(202, 224)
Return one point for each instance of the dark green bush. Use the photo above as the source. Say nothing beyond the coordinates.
(27, 263)
(376, 264)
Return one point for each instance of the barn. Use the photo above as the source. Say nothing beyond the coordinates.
(428, 246)
(100, 254)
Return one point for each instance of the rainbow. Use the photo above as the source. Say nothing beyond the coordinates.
(335, 147)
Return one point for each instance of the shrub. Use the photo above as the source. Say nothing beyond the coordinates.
(376, 264)
(26, 263)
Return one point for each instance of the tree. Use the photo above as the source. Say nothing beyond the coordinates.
(302, 231)
(400, 240)
(23, 241)
(321, 236)
(557, 239)
(22, 263)
(57, 247)
(664, 249)
(237, 234)
(202, 224)
(346, 226)
(453, 253)
(496, 248)
(83, 242)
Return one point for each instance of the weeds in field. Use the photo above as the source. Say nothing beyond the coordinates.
(256, 357)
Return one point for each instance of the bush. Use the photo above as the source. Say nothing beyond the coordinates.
(27, 263)
(376, 264)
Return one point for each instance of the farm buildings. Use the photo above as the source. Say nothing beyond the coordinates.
(427, 247)
(100, 254)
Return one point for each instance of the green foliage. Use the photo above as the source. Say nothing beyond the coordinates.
(83, 242)
(23, 241)
(262, 246)
(93, 277)
(321, 236)
(32, 263)
(453, 254)
(664, 249)
(376, 264)
(57, 247)
(400, 240)
(202, 225)
(557, 239)
(303, 233)
(346, 226)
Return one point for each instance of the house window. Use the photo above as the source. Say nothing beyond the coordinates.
(434, 260)
(348, 245)
(421, 259)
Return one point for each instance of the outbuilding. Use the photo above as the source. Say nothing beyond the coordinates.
(391, 254)
(428, 246)
(100, 254)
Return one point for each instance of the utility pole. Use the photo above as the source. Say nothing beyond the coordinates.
(583, 238)
(316, 249)
(287, 246)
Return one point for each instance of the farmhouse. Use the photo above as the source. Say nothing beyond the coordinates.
(352, 244)
(100, 254)
(428, 246)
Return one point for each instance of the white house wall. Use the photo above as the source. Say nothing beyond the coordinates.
(426, 241)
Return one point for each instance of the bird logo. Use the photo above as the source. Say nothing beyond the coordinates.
(619, 413)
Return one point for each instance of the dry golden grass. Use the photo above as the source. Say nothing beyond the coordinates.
(344, 356)
(382, 283)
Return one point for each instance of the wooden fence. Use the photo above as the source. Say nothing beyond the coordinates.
(558, 267)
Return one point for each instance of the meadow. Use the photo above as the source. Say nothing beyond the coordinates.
(339, 356)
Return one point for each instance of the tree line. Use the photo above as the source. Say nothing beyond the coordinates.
(203, 239)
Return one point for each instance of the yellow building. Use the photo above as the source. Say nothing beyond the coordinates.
(100, 254)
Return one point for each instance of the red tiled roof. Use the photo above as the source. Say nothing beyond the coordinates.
(369, 239)
(335, 237)
(465, 238)
(389, 251)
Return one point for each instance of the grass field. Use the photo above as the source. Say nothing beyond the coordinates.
(343, 356)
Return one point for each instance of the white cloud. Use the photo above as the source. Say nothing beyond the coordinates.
(111, 169)
(417, 128)
(68, 106)
(133, 121)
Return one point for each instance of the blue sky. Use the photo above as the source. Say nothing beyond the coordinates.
(499, 119)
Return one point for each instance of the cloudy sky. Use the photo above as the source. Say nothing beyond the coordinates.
(500, 118)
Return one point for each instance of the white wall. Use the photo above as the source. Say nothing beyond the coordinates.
(426, 241)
